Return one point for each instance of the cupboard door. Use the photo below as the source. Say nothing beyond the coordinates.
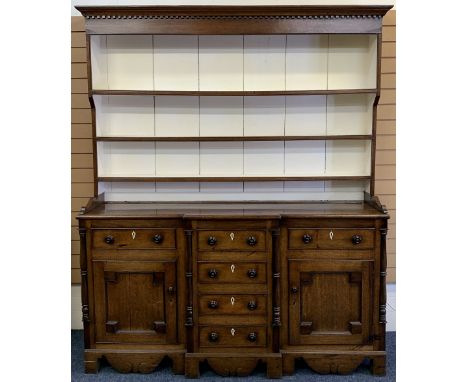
(329, 302)
(135, 301)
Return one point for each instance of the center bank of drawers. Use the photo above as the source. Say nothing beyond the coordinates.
(233, 260)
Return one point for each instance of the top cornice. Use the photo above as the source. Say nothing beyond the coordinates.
(207, 12)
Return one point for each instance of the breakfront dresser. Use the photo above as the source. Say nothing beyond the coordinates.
(234, 218)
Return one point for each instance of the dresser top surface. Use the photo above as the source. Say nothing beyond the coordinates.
(210, 210)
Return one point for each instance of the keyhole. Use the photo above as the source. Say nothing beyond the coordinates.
(232, 300)
(233, 268)
(232, 236)
(133, 235)
(233, 332)
(331, 235)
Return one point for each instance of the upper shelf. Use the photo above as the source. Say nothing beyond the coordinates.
(231, 93)
(234, 65)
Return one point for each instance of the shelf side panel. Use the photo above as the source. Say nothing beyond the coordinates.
(99, 64)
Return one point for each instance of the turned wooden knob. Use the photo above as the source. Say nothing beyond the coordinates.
(307, 238)
(157, 239)
(212, 273)
(251, 240)
(213, 337)
(252, 337)
(213, 304)
(109, 239)
(252, 305)
(356, 239)
(294, 289)
(252, 273)
(211, 240)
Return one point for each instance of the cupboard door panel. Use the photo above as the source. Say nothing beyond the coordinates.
(329, 302)
(135, 302)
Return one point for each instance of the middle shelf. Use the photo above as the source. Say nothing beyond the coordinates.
(234, 116)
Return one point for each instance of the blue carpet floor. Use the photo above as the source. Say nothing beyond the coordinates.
(164, 373)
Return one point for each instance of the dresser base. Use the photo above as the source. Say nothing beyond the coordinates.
(336, 362)
(136, 361)
(232, 364)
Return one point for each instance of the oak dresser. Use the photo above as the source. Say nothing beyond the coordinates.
(235, 219)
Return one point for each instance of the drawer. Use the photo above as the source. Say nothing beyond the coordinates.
(332, 238)
(238, 336)
(302, 238)
(138, 238)
(231, 240)
(241, 273)
(232, 304)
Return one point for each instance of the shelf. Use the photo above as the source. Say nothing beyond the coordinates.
(236, 138)
(231, 93)
(228, 178)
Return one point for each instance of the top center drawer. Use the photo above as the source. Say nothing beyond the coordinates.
(231, 240)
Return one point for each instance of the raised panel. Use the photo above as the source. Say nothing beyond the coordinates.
(175, 62)
(130, 62)
(264, 62)
(352, 62)
(134, 302)
(221, 62)
(127, 116)
(306, 62)
(177, 116)
(221, 116)
(306, 115)
(329, 302)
